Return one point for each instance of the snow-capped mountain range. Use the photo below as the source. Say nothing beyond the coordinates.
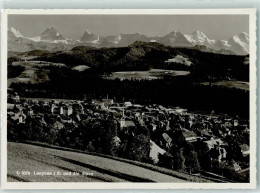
(51, 39)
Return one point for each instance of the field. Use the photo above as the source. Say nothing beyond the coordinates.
(35, 159)
(147, 75)
(33, 73)
(231, 84)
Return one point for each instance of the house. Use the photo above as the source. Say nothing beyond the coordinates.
(167, 139)
(141, 121)
(136, 114)
(223, 153)
(160, 107)
(104, 106)
(226, 131)
(76, 117)
(117, 141)
(30, 111)
(78, 108)
(128, 104)
(58, 125)
(189, 136)
(236, 166)
(235, 122)
(61, 110)
(70, 110)
(101, 104)
(22, 118)
(204, 132)
(218, 153)
(67, 110)
(178, 110)
(122, 122)
(15, 116)
(129, 124)
(212, 142)
(216, 149)
(19, 116)
(245, 149)
(246, 130)
(153, 126)
(108, 101)
(168, 128)
(55, 109)
(228, 124)
(66, 119)
(16, 98)
(155, 150)
(16, 108)
(40, 120)
(161, 124)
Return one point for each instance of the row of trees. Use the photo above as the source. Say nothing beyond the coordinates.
(175, 91)
(94, 135)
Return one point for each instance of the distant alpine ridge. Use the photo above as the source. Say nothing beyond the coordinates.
(50, 39)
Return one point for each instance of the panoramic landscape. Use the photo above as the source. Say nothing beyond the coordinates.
(166, 104)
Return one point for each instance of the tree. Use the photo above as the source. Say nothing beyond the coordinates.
(178, 160)
(107, 136)
(12, 134)
(52, 136)
(138, 148)
(192, 162)
(165, 160)
(191, 157)
(90, 147)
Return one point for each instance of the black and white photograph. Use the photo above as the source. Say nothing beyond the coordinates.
(143, 98)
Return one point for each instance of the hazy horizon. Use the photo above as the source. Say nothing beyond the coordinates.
(73, 26)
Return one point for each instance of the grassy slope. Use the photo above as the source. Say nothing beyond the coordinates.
(34, 158)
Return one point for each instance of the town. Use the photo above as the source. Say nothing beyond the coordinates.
(172, 137)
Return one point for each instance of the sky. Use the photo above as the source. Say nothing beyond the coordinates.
(73, 26)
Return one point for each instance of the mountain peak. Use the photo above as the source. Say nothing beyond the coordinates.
(51, 30)
(16, 32)
(51, 34)
(244, 36)
(175, 32)
(89, 37)
(244, 33)
(175, 39)
(239, 43)
(87, 32)
(198, 33)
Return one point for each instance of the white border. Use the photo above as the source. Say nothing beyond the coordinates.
(90, 185)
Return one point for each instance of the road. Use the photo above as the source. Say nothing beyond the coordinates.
(30, 163)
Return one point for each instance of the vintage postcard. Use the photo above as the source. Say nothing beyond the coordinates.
(128, 99)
